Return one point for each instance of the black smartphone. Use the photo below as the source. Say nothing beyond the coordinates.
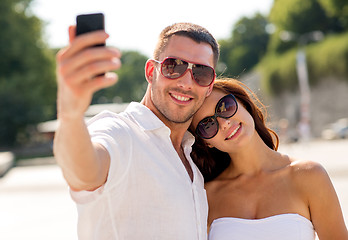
(90, 22)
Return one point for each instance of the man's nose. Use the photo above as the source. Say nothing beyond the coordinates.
(186, 81)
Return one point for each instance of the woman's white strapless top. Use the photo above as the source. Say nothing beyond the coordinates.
(279, 227)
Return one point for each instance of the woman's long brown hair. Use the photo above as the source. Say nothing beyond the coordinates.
(212, 161)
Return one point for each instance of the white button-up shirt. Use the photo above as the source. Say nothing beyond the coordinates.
(148, 193)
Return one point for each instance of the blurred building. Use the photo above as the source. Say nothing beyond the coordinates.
(48, 128)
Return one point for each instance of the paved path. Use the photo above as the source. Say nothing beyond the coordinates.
(35, 203)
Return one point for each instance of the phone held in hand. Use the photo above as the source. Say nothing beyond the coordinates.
(90, 22)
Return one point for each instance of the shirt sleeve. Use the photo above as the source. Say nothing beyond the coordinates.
(113, 133)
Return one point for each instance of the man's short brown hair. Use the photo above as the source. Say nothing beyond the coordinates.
(192, 31)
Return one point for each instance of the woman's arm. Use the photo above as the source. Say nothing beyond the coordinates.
(324, 206)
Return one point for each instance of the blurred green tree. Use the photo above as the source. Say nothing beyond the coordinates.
(295, 18)
(27, 80)
(132, 83)
(246, 46)
(298, 23)
(337, 9)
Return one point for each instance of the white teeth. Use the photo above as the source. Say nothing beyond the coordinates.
(181, 98)
(234, 132)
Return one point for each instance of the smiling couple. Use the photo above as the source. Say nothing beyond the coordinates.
(132, 175)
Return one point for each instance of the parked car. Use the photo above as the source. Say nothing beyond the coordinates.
(336, 130)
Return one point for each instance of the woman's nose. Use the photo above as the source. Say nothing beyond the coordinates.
(224, 122)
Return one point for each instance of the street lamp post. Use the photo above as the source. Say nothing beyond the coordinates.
(302, 75)
(305, 95)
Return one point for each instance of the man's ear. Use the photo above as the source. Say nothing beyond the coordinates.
(149, 70)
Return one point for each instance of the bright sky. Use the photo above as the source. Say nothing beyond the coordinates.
(136, 24)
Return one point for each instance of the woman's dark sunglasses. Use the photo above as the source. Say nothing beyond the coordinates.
(174, 68)
(226, 107)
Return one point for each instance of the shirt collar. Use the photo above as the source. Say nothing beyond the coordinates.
(143, 116)
(146, 119)
(188, 139)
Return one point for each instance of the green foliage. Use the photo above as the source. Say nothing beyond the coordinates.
(277, 45)
(298, 18)
(326, 58)
(132, 83)
(295, 23)
(27, 86)
(246, 46)
(278, 72)
(337, 9)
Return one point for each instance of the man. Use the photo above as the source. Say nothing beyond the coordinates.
(131, 174)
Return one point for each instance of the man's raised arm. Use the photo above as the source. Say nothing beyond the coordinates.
(85, 165)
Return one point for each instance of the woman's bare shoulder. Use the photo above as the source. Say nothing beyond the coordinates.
(309, 175)
(306, 168)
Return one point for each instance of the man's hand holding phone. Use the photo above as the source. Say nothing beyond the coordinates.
(82, 64)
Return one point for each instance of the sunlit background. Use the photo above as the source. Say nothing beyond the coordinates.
(292, 53)
(135, 25)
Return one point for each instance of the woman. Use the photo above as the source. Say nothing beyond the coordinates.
(255, 192)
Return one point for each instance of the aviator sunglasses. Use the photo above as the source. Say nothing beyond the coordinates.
(226, 107)
(174, 68)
